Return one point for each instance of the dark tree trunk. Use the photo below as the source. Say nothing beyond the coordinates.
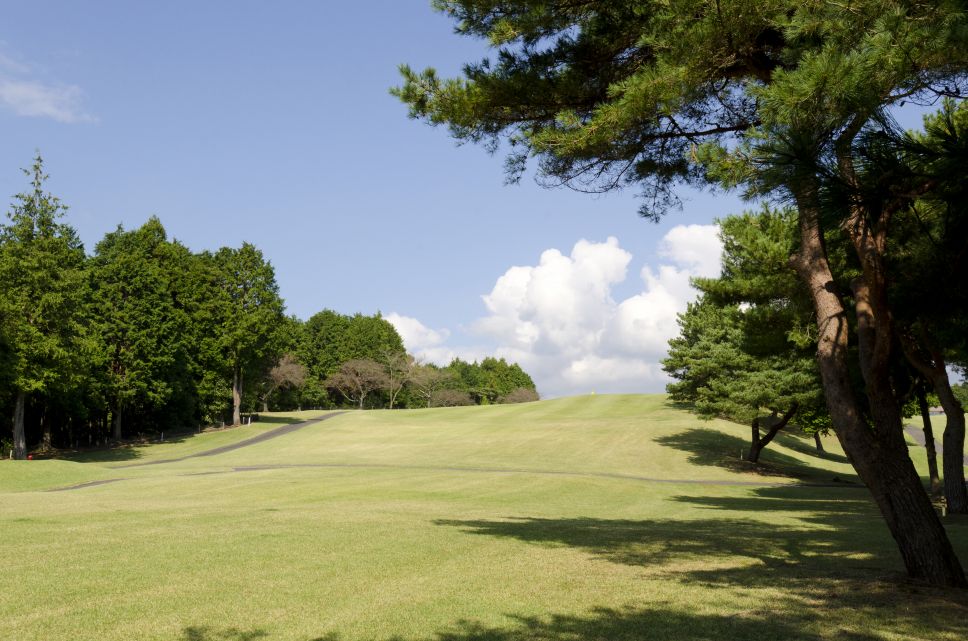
(930, 362)
(45, 431)
(118, 423)
(19, 434)
(880, 454)
(237, 397)
(759, 443)
(953, 447)
(929, 445)
(818, 442)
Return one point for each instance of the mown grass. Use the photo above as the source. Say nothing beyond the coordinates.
(445, 525)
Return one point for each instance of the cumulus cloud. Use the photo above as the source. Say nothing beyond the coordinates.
(25, 95)
(427, 344)
(560, 321)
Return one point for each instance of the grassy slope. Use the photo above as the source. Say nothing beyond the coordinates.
(404, 548)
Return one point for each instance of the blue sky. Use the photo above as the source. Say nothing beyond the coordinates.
(272, 123)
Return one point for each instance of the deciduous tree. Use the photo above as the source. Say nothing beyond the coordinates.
(358, 378)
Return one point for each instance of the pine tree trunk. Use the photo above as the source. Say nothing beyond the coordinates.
(237, 397)
(19, 434)
(754, 454)
(759, 443)
(953, 447)
(929, 445)
(880, 454)
(818, 442)
(934, 369)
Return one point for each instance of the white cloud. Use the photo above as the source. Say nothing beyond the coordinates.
(25, 95)
(696, 247)
(416, 335)
(559, 320)
(428, 344)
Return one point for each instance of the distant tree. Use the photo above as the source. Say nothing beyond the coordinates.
(961, 393)
(330, 339)
(287, 372)
(370, 337)
(490, 379)
(322, 347)
(450, 398)
(520, 395)
(398, 368)
(250, 313)
(41, 275)
(142, 330)
(358, 378)
(427, 380)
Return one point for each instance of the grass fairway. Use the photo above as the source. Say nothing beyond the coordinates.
(606, 518)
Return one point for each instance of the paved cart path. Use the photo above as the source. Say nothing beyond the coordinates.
(265, 436)
(918, 435)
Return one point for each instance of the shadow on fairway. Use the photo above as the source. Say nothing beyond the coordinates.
(834, 540)
(653, 624)
(795, 439)
(761, 623)
(204, 633)
(713, 448)
(828, 566)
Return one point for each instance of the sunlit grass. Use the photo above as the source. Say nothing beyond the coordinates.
(441, 528)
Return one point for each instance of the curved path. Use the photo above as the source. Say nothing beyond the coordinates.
(918, 435)
(488, 470)
(265, 436)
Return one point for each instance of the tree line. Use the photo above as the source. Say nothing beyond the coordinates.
(144, 335)
(788, 102)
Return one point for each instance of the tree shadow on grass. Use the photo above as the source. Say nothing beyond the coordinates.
(797, 440)
(815, 533)
(821, 565)
(711, 447)
(205, 633)
(680, 622)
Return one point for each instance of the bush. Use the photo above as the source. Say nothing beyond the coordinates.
(451, 398)
(520, 395)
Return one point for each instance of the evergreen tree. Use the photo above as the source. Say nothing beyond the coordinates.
(774, 97)
(743, 347)
(41, 274)
(141, 327)
(248, 316)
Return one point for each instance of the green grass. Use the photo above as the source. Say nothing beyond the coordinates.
(467, 524)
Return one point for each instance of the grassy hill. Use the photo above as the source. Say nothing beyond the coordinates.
(602, 517)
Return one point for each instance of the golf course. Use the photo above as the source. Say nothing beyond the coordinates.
(596, 517)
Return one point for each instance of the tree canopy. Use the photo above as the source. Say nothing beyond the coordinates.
(744, 346)
(781, 99)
